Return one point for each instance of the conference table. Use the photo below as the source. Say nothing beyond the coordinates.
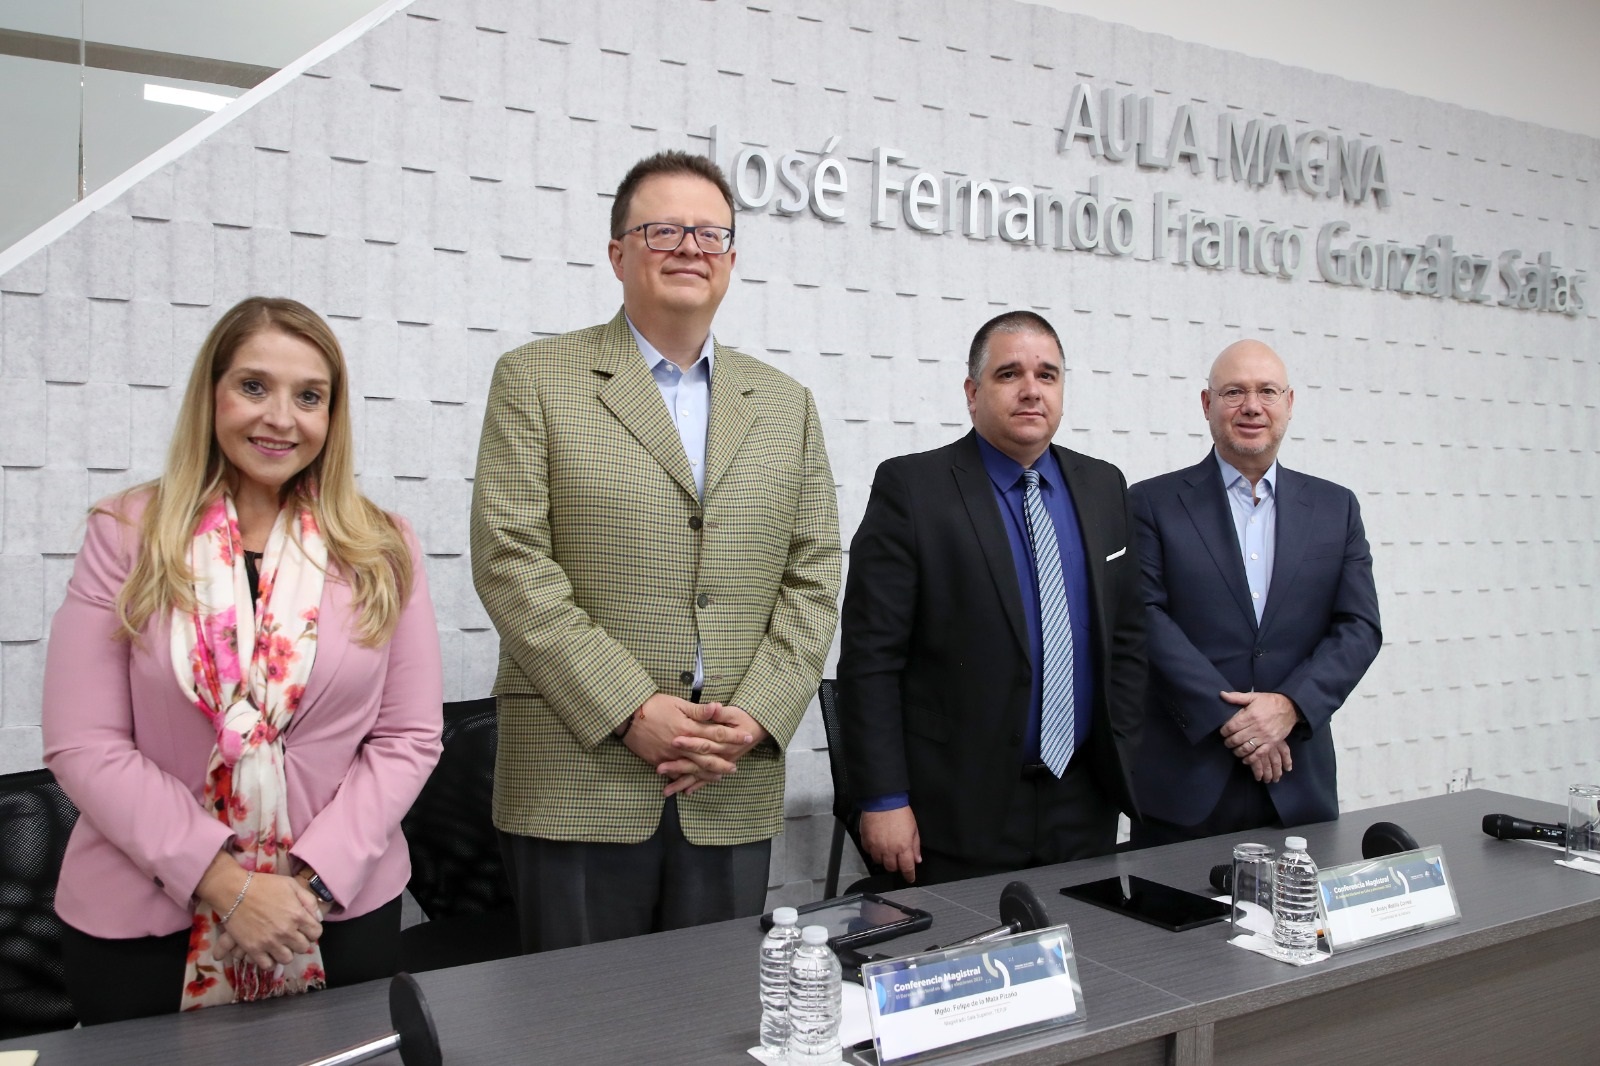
(1513, 981)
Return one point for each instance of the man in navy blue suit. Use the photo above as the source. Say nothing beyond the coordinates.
(1261, 616)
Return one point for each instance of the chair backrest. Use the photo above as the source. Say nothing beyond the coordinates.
(828, 699)
(456, 866)
(36, 818)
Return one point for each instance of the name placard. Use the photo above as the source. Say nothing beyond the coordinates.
(939, 999)
(1377, 899)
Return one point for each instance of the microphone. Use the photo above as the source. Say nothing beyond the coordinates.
(1380, 839)
(1020, 911)
(1386, 838)
(1505, 827)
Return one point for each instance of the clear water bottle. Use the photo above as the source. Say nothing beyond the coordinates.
(1294, 901)
(777, 954)
(813, 1000)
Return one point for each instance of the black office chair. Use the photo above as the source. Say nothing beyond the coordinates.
(457, 875)
(844, 814)
(36, 818)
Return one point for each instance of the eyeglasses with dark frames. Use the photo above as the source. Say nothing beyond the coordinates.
(667, 236)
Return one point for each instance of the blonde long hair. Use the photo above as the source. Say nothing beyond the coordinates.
(364, 543)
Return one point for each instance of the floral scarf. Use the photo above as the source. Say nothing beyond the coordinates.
(249, 705)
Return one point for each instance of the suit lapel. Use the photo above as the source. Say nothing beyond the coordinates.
(335, 621)
(977, 493)
(731, 415)
(631, 393)
(1203, 497)
(1095, 548)
(1294, 510)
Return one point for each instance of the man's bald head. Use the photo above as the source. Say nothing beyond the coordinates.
(1248, 356)
(1248, 403)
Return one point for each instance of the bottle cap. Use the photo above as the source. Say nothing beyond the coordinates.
(785, 916)
(814, 934)
(1295, 843)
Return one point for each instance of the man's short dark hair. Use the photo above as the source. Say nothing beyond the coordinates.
(1010, 322)
(673, 162)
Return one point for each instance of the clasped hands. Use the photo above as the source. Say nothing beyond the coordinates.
(1258, 732)
(277, 919)
(694, 744)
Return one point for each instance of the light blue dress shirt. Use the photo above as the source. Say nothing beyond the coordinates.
(1255, 522)
(687, 394)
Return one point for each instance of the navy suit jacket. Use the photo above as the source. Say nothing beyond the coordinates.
(935, 682)
(1317, 637)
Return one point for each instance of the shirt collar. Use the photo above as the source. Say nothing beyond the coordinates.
(1005, 471)
(653, 358)
(1231, 476)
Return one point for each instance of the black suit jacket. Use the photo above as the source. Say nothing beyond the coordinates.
(934, 675)
(1317, 637)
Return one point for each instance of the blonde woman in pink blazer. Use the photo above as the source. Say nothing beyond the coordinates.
(242, 696)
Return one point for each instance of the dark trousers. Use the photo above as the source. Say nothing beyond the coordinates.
(577, 892)
(113, 980)
(1245, 803)
(1048, 820)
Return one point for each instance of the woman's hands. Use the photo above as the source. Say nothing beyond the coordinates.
(277, 919)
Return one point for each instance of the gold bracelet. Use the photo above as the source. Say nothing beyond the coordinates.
(248, 877)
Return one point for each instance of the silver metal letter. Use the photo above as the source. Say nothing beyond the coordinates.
(1375, 176)
(1118, 228)
(1312, 168)
(1017, 225)
(1184, 143)
(883, 159)
(828, 179)
(1119, 125)
(762, 195)
(1240, 157)
(921, 194)
(789, 174)
(1163, 221)
(1331, 263)
(1081, 122)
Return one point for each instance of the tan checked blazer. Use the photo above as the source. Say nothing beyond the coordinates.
(600, 566)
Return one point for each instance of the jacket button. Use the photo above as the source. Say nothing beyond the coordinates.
(687, 677)
(703, 600)
(694, 522)
(1260, 653)
(1015, 739)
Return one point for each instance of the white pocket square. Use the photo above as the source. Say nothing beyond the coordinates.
(1119, 553)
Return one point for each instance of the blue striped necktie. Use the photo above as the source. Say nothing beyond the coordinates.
(1056, 720)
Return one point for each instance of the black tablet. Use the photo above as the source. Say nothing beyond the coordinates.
(859, 919)
(1170, 908)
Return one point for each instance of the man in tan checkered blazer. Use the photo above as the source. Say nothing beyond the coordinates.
(655, 534)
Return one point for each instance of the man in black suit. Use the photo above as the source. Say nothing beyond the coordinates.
(1261, 615)
(989, 717)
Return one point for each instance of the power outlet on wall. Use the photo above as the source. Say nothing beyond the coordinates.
(1460, 780)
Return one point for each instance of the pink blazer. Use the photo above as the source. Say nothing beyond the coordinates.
(131, 752)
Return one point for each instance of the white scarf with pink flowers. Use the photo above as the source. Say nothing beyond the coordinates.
(249, 707)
